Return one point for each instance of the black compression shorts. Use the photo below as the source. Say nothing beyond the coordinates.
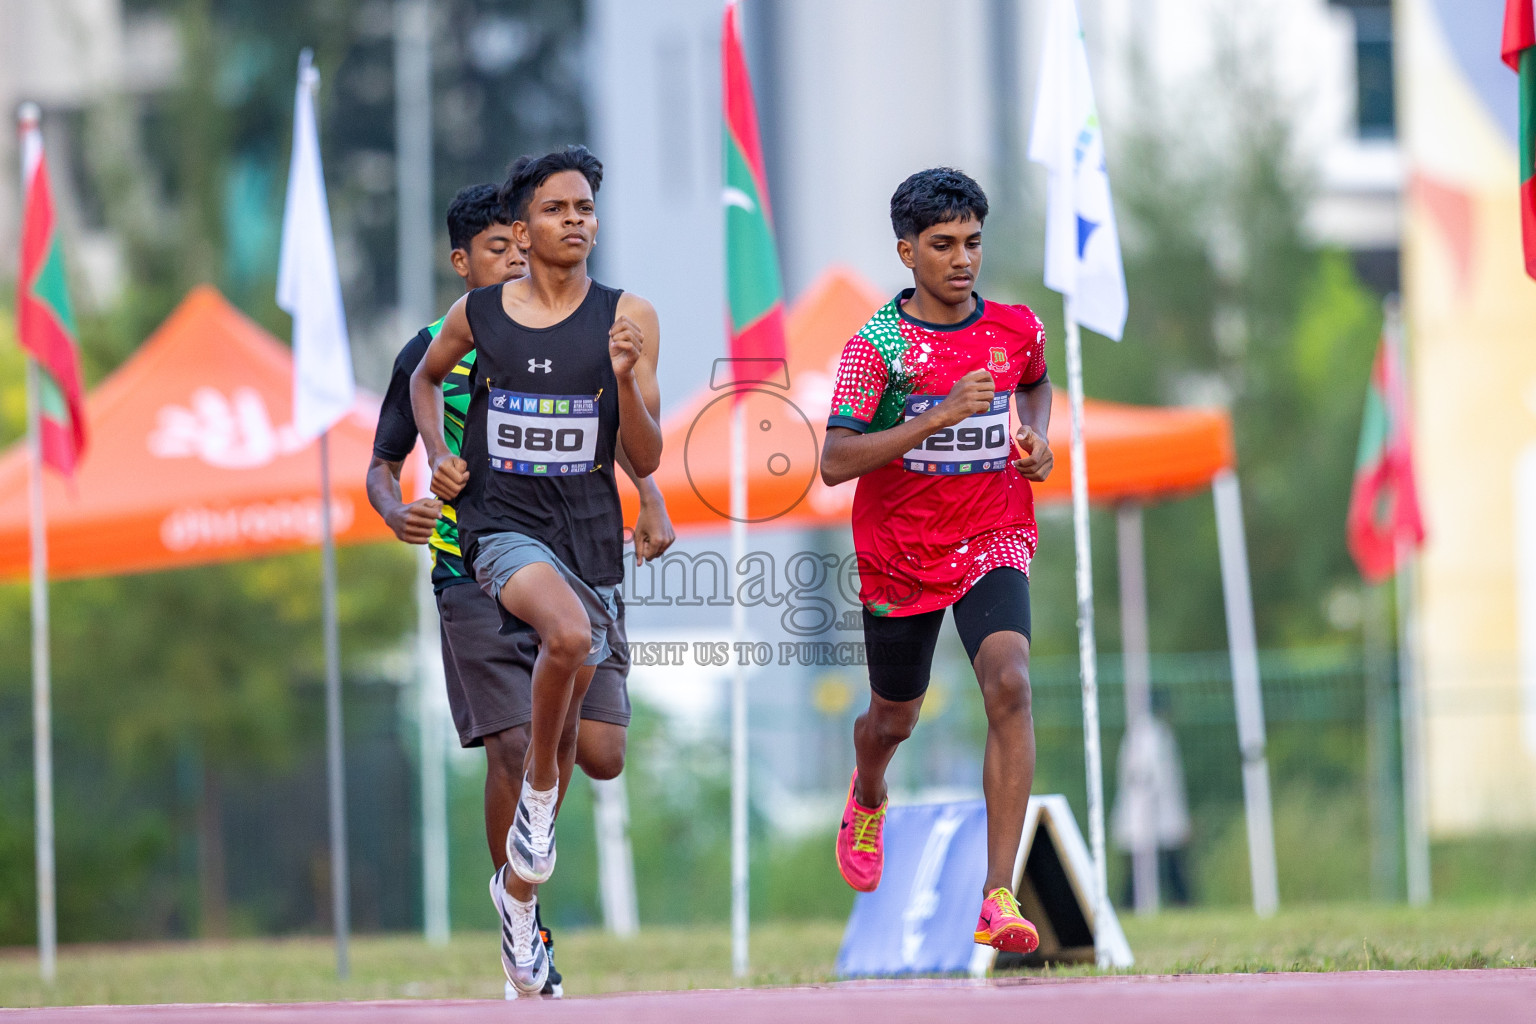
(899, 649)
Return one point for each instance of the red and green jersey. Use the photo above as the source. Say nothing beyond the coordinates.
(930, 524)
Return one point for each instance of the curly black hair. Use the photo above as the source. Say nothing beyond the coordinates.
(527, 173)
(935, 196)
(474, 209)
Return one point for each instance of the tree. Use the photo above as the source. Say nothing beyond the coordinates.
(1231, 305)
(193, 673)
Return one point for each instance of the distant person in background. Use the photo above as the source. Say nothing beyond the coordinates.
(489, 677)
(1151, 809)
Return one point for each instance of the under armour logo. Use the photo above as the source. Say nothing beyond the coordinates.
(535, 365)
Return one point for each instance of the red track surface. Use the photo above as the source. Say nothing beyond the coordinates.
(1440, 997)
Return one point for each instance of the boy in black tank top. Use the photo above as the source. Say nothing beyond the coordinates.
(564, 386)
(489, 682)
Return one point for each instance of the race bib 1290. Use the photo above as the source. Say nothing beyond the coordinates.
(541, 435)
(979, 444)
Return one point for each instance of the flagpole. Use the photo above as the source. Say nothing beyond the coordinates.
(1415, 829)
(413, 266)
(42, 698)
(42, 689)
(434, 752)
(1247, 691)
(335, 768)
(1410, 697)
(1087, 655)
(740, 885)
(309, 289)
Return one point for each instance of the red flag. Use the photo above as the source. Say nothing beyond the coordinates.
(753, 285)
(1384, 503)
(1519, 31)
(1518, 49)
(45, 325)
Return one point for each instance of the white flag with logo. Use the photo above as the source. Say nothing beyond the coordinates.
(1082, 245)
(308, 285)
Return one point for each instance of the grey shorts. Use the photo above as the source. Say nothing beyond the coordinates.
(500, 555)
(490, 677)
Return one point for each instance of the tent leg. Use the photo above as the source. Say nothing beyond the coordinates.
(1380, 740)
(615, 857)
(1410, 693)
(335, 768)
(1246, 691)
(434, 783)
(1135, 649)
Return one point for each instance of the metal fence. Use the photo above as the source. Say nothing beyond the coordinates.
(134, 860)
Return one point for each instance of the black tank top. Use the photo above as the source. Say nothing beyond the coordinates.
(540, 432)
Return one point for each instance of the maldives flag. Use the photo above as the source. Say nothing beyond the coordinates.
(1519, 50)
(45, 325)
(755, 292)
(1384, 503)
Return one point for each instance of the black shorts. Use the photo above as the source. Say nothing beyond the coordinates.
(490, 677)
(899, 649)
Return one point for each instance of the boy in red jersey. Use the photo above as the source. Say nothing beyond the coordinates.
(943, 516)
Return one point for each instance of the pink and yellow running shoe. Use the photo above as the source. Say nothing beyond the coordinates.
(860, 842)
(1001, 926)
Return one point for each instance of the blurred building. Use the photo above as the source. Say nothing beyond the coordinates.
(67, 56)
(842, 120)
(1470, 309)
(848, 110)
(842, 125)
(654, 107)
(855, 95)
(1330, 63)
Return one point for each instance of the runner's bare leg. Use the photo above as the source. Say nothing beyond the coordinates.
(600, 749)
(876, 735)
(570, 735)
(506, 755)
(538, 595)
(1008, 768)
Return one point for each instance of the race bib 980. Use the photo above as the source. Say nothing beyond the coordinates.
(980, 444)
(541, 435)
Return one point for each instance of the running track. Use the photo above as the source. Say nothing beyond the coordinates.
(1435, 997)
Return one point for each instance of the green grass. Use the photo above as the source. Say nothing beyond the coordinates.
(1323, 938)
(1336, 937)
(404, 967)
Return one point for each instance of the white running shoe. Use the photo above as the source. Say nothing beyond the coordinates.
(523, 956)
(531, 839)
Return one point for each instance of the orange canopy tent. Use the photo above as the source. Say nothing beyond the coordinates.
(1135, 453)
(193, 459)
